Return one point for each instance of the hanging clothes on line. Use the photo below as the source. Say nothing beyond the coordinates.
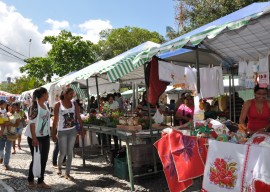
(264, 72)
(218, 79)
(208, 85)
(172, 73)
(242, 72)
(191, 78)
(211, 82)
(252, 69)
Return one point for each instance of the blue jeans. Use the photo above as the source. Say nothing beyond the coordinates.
(5, 144)
(55, 154)
(66, 141)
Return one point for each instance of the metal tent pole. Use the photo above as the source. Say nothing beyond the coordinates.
(233, 89)
(198, 70)
(96, 77)
(230, 96)
(88, 97)
(88, 111)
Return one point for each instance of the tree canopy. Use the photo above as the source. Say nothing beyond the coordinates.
(191, 14)
(68, 53)
(21, 84)
(71, 53)
(116, 41)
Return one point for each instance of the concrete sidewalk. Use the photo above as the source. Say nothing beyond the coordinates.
(5, 188)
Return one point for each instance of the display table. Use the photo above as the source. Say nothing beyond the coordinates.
(130, 138)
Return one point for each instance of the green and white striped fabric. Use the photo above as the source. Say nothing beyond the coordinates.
(80, 92)
(132, 62)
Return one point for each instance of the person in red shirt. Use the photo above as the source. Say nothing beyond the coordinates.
(257, 112)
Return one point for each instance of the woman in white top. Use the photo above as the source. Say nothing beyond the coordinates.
(66, 113)
(38, 134)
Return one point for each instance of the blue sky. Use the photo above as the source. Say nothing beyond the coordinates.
(153, 15)
(21, 20)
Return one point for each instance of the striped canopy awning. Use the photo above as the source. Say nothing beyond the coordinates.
(81, 93)
(249, 28)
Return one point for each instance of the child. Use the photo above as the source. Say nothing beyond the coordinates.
(3, 113)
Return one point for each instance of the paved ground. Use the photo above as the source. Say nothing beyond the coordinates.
(97, 175)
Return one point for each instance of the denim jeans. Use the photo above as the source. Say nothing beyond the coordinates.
(66, 141)
(55, 154)
(5, 144)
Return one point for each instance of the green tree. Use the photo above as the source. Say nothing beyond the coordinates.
(191, 14)
(21, 84)
(40, 67)
(68, 53)
(116, 41)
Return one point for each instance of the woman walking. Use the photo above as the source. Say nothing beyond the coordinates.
(38, 134)
(66, 113)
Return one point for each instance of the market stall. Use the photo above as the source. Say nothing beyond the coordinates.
(239, 36)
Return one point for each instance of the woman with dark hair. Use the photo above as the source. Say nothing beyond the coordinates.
(66, 113)
(185, 111)
(38, 134)
(7, 136)
(257, 112)
(114, 105)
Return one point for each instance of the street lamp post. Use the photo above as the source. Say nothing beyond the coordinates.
(29, 46)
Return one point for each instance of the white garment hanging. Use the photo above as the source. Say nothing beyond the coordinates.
(168, 72)
(250, 76)
(211, 82)
(263, 72)
(191, 78)
(218, 79)
(242, 72)
(207, 83)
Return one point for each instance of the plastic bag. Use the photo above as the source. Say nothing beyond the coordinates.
(36, 163)
(158, 117)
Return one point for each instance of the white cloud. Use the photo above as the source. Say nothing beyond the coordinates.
(16, 31)
(58, 24)
(92, 28)
(56, 27)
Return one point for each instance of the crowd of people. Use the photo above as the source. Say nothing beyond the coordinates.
(67, 124)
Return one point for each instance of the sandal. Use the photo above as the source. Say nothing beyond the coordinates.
(31, 185)
(43, 186)
(68, 177)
